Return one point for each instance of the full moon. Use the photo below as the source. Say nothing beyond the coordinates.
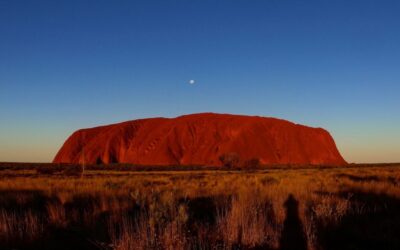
(191, 81)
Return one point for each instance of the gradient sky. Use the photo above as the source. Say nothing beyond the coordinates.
(71, 64)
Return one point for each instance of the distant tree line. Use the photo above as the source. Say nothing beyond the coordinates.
(232, 160)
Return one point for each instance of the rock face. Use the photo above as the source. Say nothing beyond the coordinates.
(200, 139)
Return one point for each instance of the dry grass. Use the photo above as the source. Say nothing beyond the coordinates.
(336, 208)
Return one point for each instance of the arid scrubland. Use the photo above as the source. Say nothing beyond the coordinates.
(330, 208)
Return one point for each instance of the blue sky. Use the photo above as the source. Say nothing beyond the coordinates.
(65, 65)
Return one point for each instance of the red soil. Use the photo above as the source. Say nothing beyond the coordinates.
(200, 139)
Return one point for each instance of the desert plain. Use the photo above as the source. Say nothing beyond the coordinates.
(55, 206)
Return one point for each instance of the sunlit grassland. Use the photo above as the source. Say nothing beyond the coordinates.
(329, 208)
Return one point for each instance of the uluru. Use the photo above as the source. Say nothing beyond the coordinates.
(201, 139)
